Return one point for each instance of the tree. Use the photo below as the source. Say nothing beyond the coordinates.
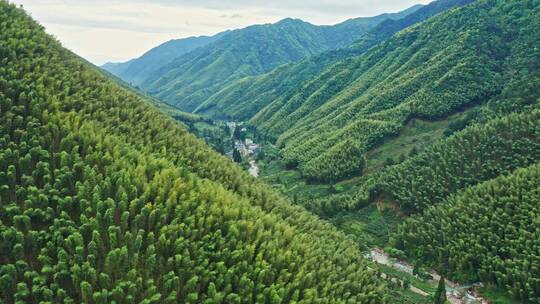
(440, 294)
(236, 156)
(237, 133)
(406, 284)
(261, 155)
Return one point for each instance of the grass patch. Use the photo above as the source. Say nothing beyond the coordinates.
(289, 182)
(370, 226)
(417, 134)
(429, 287)
(406, 296)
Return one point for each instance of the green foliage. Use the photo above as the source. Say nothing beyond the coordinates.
(456, 60)
(215, 134)
(244, 98)
(407, 297)
(341, 160)
(103, 199)
(137, 70)
(440, 295)
(236, 156)
(497, 295)
(479, 153)
(369, 226)
(476, 154)
(488, 232)
(462, 123)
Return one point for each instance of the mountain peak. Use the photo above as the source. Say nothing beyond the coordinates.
(289, 21)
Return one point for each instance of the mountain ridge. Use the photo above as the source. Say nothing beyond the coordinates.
(189, 78)
(133, 71)
(244, 98)
(387, 82)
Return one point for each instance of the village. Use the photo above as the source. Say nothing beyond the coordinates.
(246, 147)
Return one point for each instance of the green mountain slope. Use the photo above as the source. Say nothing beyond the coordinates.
(490, 232)
(104, 199)
(453, 61)
(482, 152)
(242, 99)
(117, 68)
(192, 78)
(479, 153)
(137, 70)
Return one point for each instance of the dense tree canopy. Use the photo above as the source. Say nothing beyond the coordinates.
(104, 199)
(490, 232)
(479, 153)
(453, 61)
(242, 99)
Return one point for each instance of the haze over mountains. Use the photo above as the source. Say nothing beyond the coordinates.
(408, 139)
(137, 70)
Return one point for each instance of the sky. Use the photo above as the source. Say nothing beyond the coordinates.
(117, 30)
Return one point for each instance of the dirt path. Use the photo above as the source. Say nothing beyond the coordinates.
(254, 168)
(419, 291)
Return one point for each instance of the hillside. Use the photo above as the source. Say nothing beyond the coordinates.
(192, 78)
(480, 152)
(105, 199)
(244, 98)
(136, 71)
(442, 66)
(489, 232)
(426, 145)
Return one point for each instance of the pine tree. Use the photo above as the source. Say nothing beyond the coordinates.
(440, 294)
(237, 133)
(236, 156)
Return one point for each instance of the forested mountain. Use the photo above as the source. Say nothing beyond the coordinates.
(448, 63)
(490, 232)
(136, 71)
(193, 77)
(103, 199)
(245, 97)
(479, 153)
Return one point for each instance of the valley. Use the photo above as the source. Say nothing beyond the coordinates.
(372, 226)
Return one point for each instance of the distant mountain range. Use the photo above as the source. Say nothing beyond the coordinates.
(135, 71)
(244, 98)
(186, 72)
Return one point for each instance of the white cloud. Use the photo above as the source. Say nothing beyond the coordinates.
(118, 30)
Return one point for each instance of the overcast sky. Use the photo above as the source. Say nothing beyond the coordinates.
(118, 30)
